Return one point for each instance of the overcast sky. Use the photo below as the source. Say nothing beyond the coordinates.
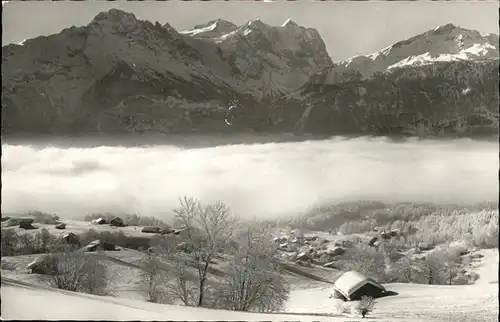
(348, 28)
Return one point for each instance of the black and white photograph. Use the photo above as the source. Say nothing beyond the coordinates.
(250, 161)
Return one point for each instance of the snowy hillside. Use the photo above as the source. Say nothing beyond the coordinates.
(46, 305)
(469, 292)
(442, 44)
(477, 302)
(415, 302)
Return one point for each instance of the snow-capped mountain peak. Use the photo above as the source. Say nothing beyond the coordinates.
(212, 29)
(263, 52)
(443, 43)
(256, 24)
(289, 23)
(196, 31)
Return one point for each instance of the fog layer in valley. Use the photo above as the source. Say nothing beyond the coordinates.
(261, 180)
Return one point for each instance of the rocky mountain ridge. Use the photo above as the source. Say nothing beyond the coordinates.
(443, 43)
(120, 74)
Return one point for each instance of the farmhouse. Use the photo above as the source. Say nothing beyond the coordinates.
(151, 229)
(117, 222)
(99, 221)
(98, 245)
(42, 265)
(351, 286)
(25, 223)
(71, 239)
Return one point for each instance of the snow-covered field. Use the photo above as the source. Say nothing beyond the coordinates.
(477, 302)
(22, 302)
(24, 298)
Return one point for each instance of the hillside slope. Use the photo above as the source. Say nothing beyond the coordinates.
(415, 302)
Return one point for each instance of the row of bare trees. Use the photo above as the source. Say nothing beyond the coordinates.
(248, 275)
(218, 262)
(442, 266)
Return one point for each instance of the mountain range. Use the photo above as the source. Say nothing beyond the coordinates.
(119, 74)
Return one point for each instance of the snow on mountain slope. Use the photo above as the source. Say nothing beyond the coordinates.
(444, 43)
(211, 29)
(272, 60)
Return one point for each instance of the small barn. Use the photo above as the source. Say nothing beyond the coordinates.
(330, 265)
(99, 221)
(151, 230)
(26, 223)
(303, 257)
(385, 235)
(44, 265)
(61, 226)
(117, 222)
(98, 245)
(372, 241)
(71, 239)
(395, 232)
(351, 286)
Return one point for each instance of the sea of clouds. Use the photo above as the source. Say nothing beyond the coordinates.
(255, 180)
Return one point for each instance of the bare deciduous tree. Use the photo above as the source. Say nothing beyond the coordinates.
(79, 272)
(9, 240)
(153, 277)
(181, 285)
(209, 230)
(253, 282)
(406, 269)
(365, 260)
(451, 267)
(431, 268)
(440, 267)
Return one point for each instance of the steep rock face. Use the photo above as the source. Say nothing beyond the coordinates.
(271, 61)
(73, 80)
